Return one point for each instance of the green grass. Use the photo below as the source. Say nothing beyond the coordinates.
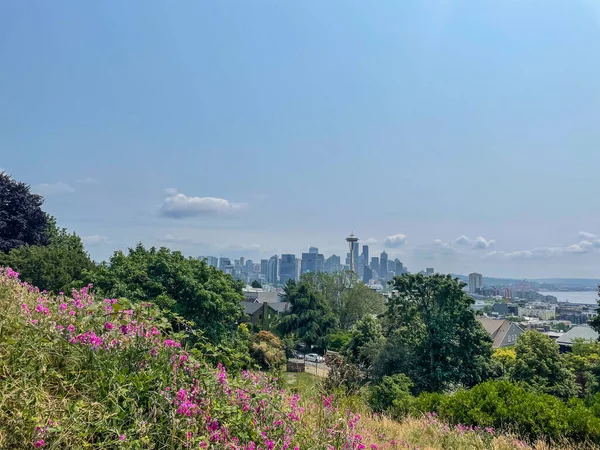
(301, 382)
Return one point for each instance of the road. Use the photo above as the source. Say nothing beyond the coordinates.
(319, 369)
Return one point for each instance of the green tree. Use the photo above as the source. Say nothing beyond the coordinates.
(308, 317)
(256, 284)
(22, 220)
(595, 322)
(56, 267)
(267, 350)
(348, 298)
(189, 287)
(433, 336)
(584, 361)
(366, 340)
(540, 366)
(392, 395)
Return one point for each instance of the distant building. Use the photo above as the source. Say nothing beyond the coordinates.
(504, 309)
(287, 268)
(262, 315)
(375, 264)
(367, 274)
(503, 332)
(273, 270)
(429, 271)
(309, 262)
(475, 283)
(211, 260)
(333, 264)
(398, 267)
(298, 268)
(584, 332)
(383, 266)
(365, 255)
(320, 263)
(224, 263)
(313, 250)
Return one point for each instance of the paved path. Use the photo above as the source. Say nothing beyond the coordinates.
(318, 369)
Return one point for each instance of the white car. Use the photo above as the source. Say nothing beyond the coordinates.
(313, 357)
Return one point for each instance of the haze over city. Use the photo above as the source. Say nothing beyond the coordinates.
(456, 135)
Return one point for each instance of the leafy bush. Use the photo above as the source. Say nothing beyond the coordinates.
(392, 395)
(510, 407)
(267, 350)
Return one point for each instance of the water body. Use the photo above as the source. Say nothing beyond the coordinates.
(590, 297)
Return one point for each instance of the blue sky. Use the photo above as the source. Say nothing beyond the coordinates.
(255, 128)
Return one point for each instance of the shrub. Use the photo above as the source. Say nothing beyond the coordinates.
(392, 395)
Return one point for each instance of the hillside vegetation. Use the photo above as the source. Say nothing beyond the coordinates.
(83, 372)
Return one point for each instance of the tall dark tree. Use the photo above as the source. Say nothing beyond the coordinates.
(256, 284)
(187, 286)
(433, 335)
(22, 220)
(309, 318)
(595, 322)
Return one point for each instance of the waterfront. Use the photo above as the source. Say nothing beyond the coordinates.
(587, 297)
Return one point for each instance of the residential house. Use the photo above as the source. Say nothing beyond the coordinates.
(584, 332)
(503, 332)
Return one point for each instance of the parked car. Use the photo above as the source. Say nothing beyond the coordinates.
(313, 357)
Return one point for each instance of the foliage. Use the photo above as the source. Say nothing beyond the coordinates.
(187, 286)
(342, 376)
(56, 267)
(540, 366)
(366, 340)
(256, 284)
(392, 395)
(22, 220)
(308, 316)
(338, 339)
(509, 407)
(267, 350)
(595, 321)
(433, 336)
(348, 298)
(584, 361)
(505, 357)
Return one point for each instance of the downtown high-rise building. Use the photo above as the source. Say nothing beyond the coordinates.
(367, 274)
(375, 265)
(273, 270)
(287, 268)
(398, 267)
(333, 264)
(365, 255)
(313, 250)
(264, 267)
(475, 282)
(383, 266)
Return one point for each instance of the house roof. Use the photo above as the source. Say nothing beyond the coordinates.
(251, 307)
(279, 306)
(496, 328)
(584, 332)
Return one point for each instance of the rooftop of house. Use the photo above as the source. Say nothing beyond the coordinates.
(584, 332)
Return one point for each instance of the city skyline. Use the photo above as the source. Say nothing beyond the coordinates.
(456, 135)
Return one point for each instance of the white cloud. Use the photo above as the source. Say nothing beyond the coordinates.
(546, 252)
(397, 240)
(94, 239)
(462, 240)
(53, 188)
(178, 205)
(482, 243)
(587, 236)
(370, 241)
(582, 247)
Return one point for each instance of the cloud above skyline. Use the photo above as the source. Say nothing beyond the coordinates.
(395, 241)
(94, 239)
(179, 206)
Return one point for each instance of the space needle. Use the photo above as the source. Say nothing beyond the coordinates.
(351, 241)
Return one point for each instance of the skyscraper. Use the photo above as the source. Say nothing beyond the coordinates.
(273, 271)
(353, 244)
(333, 264)
(375, 264)
(287, 268)
(309, 262)
(398, 267)
(475, 282)
(320, 263)
(383, 265)
(367, 274)
(365, 255)
(264, 267)
(313, 250)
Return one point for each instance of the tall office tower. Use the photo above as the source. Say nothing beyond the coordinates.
(367, 274)
(298, 268)
(249, 267)
(313, 250)
(383, 266)
(212, 261)
(365, 255)
(309, 262)
(242, 261)
(273, 271)
(333, 264)
(224, 262)
(264, 267)
(429, 271)
(475, 282)
(287, 268)
(398, 267)
(320, 263)
(375, 264)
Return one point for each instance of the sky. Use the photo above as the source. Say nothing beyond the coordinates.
(459, 135)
